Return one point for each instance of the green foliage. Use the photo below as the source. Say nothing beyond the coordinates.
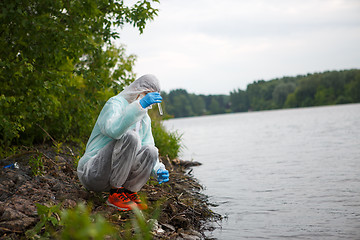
(37, 164)
(49, 220)
(352, 89)
(58, 65)
(179, 103)
(316, 89)
(142, 227)
(239, 101)
(58, 146)
(281, 92)
(327, 88)
(167, 142)
(10, 151)
(79, 223)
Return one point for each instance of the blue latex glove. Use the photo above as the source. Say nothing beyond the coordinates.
(150, 98)
(162, 175)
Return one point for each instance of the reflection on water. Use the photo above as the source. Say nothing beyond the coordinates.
(280, 174)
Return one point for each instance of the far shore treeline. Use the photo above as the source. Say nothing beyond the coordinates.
(317, 89)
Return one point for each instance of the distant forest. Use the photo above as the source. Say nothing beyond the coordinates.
(317, 89)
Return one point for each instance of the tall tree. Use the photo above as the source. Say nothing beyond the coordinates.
(58, 63)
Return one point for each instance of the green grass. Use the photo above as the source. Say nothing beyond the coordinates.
(167, 142)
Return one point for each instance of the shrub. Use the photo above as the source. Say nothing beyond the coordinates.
(167, 142)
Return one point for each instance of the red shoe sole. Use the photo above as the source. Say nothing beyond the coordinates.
(118, 208)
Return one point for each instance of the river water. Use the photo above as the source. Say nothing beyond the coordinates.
(292, 174)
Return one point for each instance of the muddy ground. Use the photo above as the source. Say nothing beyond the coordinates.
(52, 180)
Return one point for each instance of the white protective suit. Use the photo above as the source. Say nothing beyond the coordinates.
(121, 151)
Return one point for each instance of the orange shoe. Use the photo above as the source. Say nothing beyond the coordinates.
(118, 199)
(133, 196)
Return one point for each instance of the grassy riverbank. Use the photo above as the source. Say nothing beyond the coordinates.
(44, 198)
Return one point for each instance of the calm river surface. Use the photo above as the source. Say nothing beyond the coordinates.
(292, 174)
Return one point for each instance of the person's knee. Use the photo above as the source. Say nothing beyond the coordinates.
(132, 137)
(152, 152)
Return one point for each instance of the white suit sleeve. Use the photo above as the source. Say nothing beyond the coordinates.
(116, 117)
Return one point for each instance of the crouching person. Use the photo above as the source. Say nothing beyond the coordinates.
(120, 154)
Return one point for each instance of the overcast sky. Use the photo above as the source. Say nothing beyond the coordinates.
(216, 46)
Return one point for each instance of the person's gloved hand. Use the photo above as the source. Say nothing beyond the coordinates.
(162, 175)
(150, 98)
